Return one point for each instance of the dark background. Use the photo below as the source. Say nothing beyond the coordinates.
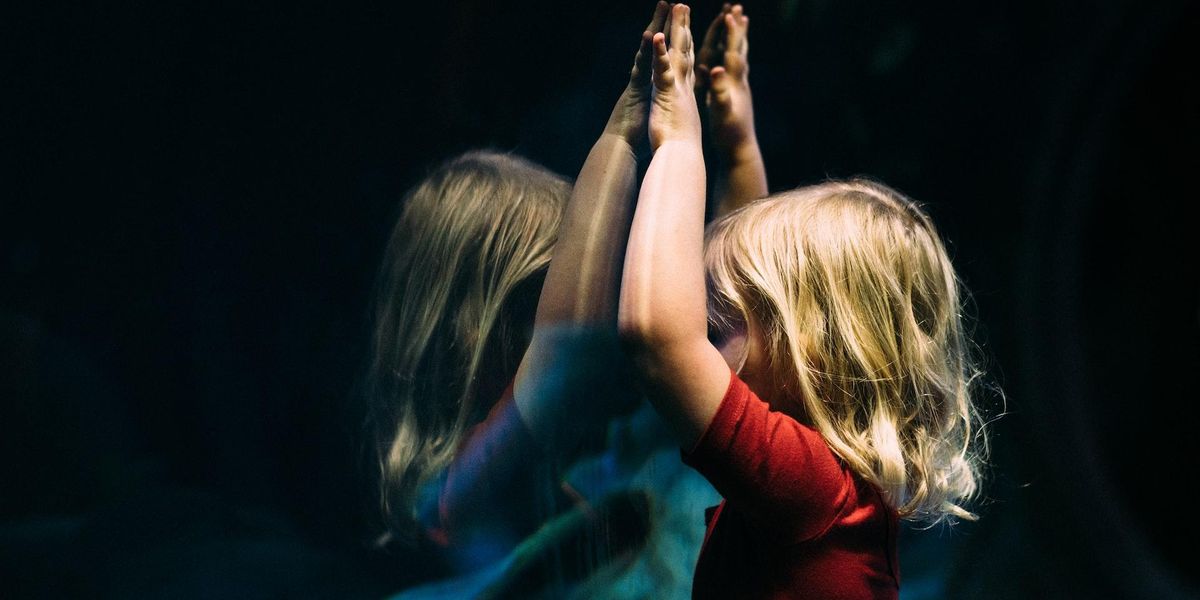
(195, 197)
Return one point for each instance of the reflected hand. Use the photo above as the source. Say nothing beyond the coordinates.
(628, 118)
(723, 75)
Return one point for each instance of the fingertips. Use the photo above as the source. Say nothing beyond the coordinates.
(680, 15)
(735, 28)
(737, 17)
(681, 31)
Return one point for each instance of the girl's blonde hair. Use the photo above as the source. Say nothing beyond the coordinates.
(859, 310)
(456, 298)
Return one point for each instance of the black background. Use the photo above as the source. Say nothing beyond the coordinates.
(195, 197)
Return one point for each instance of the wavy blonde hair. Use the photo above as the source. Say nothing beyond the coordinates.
(455, 301)
(859, 310)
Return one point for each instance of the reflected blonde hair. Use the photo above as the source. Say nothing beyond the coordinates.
(455, 301)
(859, 310)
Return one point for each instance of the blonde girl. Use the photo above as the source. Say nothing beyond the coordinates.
(832, 397)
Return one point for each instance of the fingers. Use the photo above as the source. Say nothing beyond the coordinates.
(675, 59)
(660, 17)
(660, 48)
(719, 85)
(720, 78)
(710, 35)
(662, 62)
(708, 53)
(713, 48)
(680, 28)
(641, 62)
(736, 25)
(640, 75)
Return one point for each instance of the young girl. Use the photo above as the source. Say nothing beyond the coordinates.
(485, 382)
(848, 407)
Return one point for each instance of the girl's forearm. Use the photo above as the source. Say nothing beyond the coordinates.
(663, 293)
(585, 274)
(663, 316)
(565, 381)
(742, 180)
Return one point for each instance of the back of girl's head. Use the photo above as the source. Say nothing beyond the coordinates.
(859, 311)
(455, 299)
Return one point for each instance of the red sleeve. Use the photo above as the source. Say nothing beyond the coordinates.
(776, 469)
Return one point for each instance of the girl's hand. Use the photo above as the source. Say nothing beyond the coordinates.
(673, 112)
(628, 119)
(723, 75)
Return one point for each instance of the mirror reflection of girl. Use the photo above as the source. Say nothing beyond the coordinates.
(834, 394)
(494, 364)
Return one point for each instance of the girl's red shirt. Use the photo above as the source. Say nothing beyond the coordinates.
(795, 521)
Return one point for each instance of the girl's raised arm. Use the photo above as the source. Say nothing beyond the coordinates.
(573, 354)
(503, 481)
(663, 315)
(723, 76)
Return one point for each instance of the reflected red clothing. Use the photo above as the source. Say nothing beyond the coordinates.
(500, 487)
(795, 521)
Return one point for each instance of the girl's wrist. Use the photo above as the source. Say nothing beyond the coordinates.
(742, 152)
(628, 117)
(619, 139)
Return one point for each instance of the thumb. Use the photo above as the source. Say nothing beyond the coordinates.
(719, 81)
(640, 74)
(662, 62)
